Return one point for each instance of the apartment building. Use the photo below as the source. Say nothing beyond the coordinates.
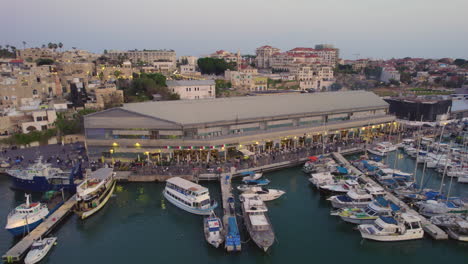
(193, 89)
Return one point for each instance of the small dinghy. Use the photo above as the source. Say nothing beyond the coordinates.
(213, 230)
(257, 182)
(39, 250)
(252, 177)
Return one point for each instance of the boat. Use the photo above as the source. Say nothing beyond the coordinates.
(257, 182)
(322, 178)
(338, 188)
(42, 177)
(213, 228)
(404, 227)
(94, 192)
(379, 207)
(233, 242)
(455, 225)
(381, 149)
(256, 220)
(251, 176)
(264, 193)
(26, 217)
(353, 198)
(39, 250)
(431, 208)
(189, 196)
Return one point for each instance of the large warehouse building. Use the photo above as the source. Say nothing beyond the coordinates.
(213, 128)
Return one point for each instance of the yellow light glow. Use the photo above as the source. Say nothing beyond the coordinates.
(137, 145)
(111, 151)
(115, 144)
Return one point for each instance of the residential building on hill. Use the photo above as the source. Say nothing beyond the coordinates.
(193, 89)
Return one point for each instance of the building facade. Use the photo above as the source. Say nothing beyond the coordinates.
(148, 56)
(212, 128)
(193, 89)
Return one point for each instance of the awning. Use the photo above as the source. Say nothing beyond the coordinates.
(313, 158)
(342, 170)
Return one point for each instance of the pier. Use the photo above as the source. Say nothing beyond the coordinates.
(434, 231)
(228, 205)
(16, 253)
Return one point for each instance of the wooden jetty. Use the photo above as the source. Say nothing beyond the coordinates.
(430, 229)
(16, 253)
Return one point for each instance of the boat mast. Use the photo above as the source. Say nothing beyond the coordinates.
(396, 152)
(418, 138)
(445, 169)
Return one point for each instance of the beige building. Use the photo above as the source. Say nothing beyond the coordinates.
(264, 53)
(32, 54)
(226, 55)
(147, 56)
(42, 120)
(193, 89)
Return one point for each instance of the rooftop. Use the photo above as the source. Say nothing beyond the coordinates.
(187, 185)
(190, 82)
(186, 112)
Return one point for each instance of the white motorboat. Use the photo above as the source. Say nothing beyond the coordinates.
(404, 227)
(463, 179)
(264, 193)
(189, 196)
(353, 198)
(455, 225)
(94, 192)
(26, 217)
(379, 207)
(322, 178)
(39, 250)
(431, 208)
(213, 228)
(381, 149)
(339, 188)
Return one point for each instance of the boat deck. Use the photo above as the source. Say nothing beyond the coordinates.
(226, 193)
(16, 253)
(430, 229)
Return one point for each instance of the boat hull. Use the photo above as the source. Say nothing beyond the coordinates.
(393, 238)
(39, 184)
(358, 221)
(31, 259)
(456, 236)
(86, 214)
(21, 230)
(188, 208)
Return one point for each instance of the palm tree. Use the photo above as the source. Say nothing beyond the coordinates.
(43, 46)
(50, 45)
(60, 45)
(24, 44)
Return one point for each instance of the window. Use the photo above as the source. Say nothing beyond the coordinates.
(44, 127)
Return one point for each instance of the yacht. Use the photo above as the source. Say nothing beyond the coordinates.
(381, 149)
(264, 193)
(26, 217)
(189, 196)
(213, 228)
(42, 177)
(404, 227)
(353, 198)
(322, 178)
(339, 188)
(379, 207)
(432, 207)
(39, 250)
(94, 192)
(251, 176)
(256, 220)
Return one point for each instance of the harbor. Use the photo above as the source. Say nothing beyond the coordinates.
(285, 174)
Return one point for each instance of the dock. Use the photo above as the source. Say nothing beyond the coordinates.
(16, 253)
(434, 231)
(226, 193)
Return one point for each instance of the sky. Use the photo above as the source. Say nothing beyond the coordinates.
(360, 28)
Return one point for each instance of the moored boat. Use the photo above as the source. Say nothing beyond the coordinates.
(256, 220)
(94, 192)
(264, 193)
(39, 250)
(26, 217)
(353, 198)
(379, 207)
(213, 229)
(189, 196)
(404, 227)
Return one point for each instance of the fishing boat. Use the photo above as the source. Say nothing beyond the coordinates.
(404, 227)
(213, 229)
(379, 207)
(251, 176)
(94, 192)
(259, 182)
(264, 193)
(189, 196)
(39, 250)
(256, 220)
(42, 177)
(353, 198)
(233, 242)
(26, 217)
(455, 225)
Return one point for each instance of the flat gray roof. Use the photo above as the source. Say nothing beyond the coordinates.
(187, 112)
(190, 82)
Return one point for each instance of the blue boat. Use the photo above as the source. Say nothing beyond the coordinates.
(42, 177)
(257, 182)
(233, 242)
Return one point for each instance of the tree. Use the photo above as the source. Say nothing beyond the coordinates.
(117, 74)
(50, 45)
(24, 44)
(60, 45)
(42, 61)
(105, 52)
(214, 66)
